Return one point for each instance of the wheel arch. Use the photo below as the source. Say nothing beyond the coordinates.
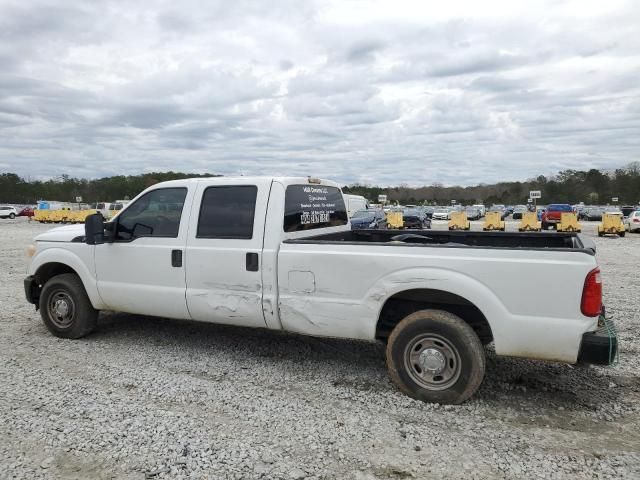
(411, 290)
(56, 261)
(403, 303)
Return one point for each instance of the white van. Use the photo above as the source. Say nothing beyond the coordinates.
(355, 203)
(482, 208)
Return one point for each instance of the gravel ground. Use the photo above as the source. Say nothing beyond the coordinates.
(155, 398)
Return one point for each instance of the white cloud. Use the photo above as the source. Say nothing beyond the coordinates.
(359, 91)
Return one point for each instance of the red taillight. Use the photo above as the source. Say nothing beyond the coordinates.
(591, 304)
(636, 220)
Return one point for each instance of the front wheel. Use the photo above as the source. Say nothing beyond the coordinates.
(12, 216)
(65, 307)
(434, 356)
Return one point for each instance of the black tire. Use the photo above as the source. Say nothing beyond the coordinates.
(622, 234)
(65, 307)
(439, 337)
(12, 216)
(601, 234)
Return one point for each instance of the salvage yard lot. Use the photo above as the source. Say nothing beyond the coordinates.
(169, 399)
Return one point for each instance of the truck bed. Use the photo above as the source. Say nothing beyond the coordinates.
(564, 241)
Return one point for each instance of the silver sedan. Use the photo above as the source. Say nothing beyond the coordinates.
(632, 222)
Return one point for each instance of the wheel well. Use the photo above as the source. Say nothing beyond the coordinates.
(404, 303)
(49, 270)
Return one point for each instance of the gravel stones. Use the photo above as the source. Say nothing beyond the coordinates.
(171, 399)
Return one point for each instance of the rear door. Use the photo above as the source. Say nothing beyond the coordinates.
(224, 253)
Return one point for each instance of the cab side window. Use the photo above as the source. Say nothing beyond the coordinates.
(227, 212)
(155, 214)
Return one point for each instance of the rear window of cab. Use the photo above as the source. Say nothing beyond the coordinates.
(313, 206)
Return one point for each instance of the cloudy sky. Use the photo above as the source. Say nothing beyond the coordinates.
(383, 92)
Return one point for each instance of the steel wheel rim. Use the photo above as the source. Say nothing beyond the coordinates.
(61, 309)
(432, 362)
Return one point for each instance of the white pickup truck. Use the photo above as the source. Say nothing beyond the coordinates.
(278, 253)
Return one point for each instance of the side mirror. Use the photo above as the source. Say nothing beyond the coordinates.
(94, 229)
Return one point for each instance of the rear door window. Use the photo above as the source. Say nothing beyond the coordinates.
(228, 212)
(313, 206)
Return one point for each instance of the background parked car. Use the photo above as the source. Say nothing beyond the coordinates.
(632, 222)
(518, 210)
(552, 214)
(428, 211)
(482, 208)
(473, 213)
(368, 219)
(628, 210)
(8, 212)
(415, 218)
(442, 213)
(612, 209)
(26, 212)
(594, 214)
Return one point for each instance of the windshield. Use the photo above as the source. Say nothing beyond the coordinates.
(362, 214)
(441, 210)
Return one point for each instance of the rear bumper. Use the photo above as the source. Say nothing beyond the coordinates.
(599, 347)
(31, 290)
(412, 224)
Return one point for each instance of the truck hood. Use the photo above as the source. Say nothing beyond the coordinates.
(61, 234)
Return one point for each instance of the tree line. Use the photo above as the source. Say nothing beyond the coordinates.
(568, 186)
(14, 189)
(592, 186)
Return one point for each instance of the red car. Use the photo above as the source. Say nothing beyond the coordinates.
(26, 212)
(552, 214)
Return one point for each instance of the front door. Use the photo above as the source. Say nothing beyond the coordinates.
(143, 271)
(224, 253)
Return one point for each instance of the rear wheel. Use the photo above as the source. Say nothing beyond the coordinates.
(65, 307)
(434, 356)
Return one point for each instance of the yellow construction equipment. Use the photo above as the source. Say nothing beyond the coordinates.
(611, 225)
(61, 216)
(394, 220)
(493, 221)
(568, 223)
(40, 215)
(79, 216)
(459, 221)
(529, 222)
